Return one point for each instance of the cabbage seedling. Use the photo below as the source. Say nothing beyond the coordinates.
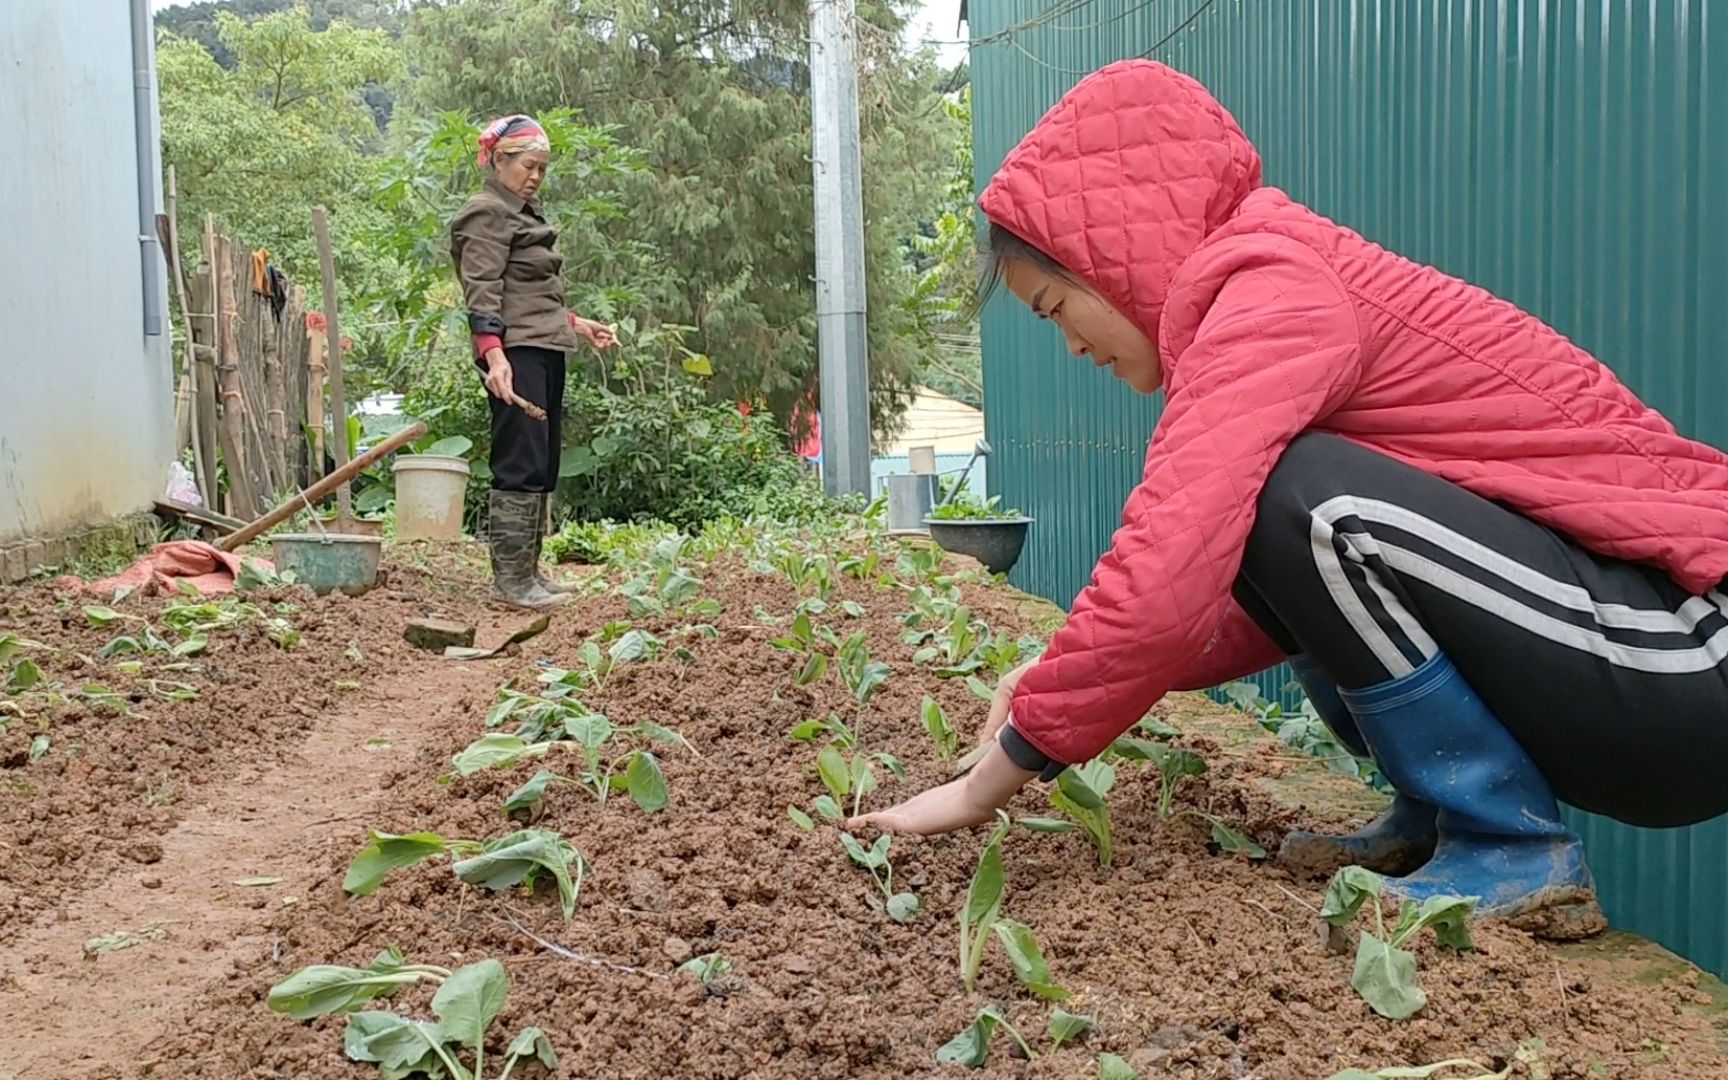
(981, 919)
(971, 1047)
(1068, 1027)
(941, 732)
(901, 906)
(1175, 765)
(1079, 793)
(467, 1003)
(520, 858)
(1385, 973)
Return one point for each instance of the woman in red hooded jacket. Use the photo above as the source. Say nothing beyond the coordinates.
(1492, 567)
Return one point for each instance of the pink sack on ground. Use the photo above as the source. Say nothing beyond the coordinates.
(207, 568)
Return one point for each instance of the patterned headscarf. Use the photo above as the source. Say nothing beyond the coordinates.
(516, 134)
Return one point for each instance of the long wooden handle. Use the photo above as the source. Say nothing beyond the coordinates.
(323, 487)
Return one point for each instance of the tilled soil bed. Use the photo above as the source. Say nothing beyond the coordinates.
(1194, 963)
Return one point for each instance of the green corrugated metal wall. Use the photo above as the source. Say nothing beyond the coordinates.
(1570, 155)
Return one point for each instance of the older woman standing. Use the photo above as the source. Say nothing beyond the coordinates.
(512, 284)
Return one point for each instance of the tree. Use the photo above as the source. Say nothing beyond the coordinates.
(714, 94)
(285, 128)
(943, 303)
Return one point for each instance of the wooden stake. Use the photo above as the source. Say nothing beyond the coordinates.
(228, 375)
(333, 356)
(190, 377)
(315, 404)
(202, 299)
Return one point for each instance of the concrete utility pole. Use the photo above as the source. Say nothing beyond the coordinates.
(843, 345)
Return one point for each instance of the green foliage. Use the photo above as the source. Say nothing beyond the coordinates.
(467, 1003)
(665, 452)
(901, 906)
(714, 94)
(1385, 973)
(968, 507)
(981, 919)
(971, 1047)
(1303, 730)
(284, 127)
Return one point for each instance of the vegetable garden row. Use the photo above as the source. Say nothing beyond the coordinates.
(631, 860)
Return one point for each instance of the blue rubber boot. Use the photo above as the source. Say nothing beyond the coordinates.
(1398, 841)
(1500, 834)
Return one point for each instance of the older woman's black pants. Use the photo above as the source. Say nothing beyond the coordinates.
(1613, 678)
(526, 451)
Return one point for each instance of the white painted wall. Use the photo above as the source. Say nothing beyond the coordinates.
(86, 401)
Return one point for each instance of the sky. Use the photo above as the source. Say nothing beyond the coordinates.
(935, 21)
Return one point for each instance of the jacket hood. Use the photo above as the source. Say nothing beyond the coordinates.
(1123, 179)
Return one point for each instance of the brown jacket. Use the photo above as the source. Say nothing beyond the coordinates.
(510, 270)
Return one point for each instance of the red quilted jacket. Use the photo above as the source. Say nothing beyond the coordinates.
(1270, 321)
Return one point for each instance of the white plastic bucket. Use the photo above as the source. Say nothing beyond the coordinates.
(431, 493)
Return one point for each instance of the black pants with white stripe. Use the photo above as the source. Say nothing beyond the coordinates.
(1611, 676)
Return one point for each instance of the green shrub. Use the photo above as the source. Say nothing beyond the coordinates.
(667, 454)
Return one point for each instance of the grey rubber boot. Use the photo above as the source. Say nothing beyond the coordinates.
(514, 533)
(551, 585)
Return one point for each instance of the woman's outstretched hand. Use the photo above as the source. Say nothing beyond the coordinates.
(973, 799)
(597, 334)
(930, 813)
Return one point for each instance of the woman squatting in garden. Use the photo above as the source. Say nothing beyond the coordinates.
(1494, 570)
(513, 287)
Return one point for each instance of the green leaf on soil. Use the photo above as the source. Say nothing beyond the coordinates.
(1386, 979)
(98, 616)
(827, 807)
(1028, 959)
(1232, 841)
(1111, 1067)
(633, 646)
(522, 856)
(971, 1047)
(1067, 1027)
(528, 797)
(11, 645)
(647, 782)
(384, 853)
(397, 1045)
(836, 777)
(470, 1000)
(1048, 825)
(490, 751)
(326, 989)
(1071, 783)
(868, 858)
(902, 907)
(25, 675)
(814, 668)
(1449, 916)
(532, 1042)
(800, 819)
(590, 730)
(1347, 891)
